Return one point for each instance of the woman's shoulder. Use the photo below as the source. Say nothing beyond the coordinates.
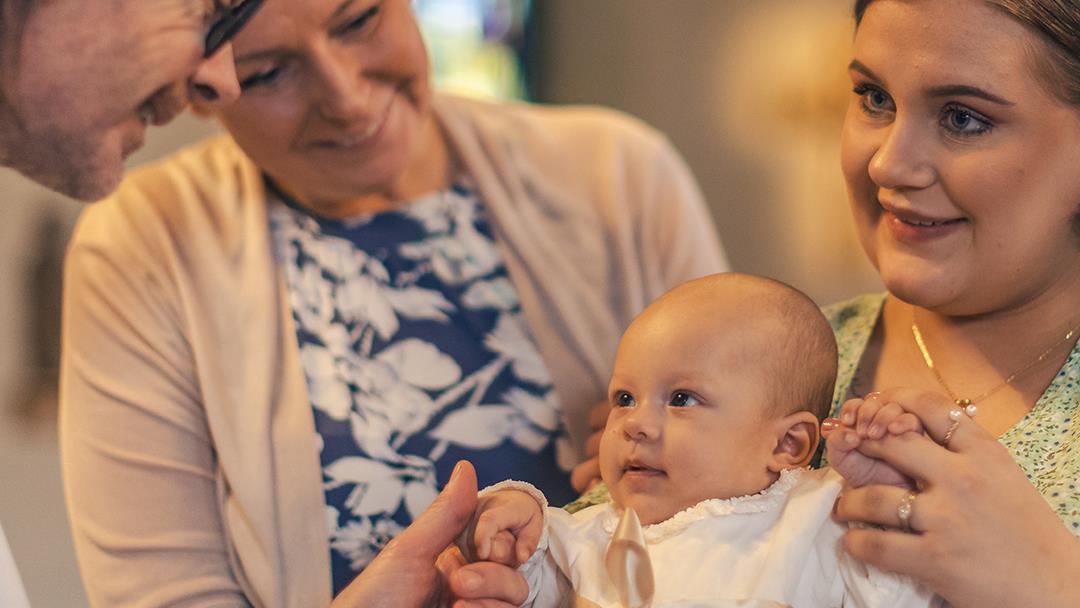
(206, 186)
(585, 127)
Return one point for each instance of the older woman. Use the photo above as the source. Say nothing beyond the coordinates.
(278, 344)
(959, 152)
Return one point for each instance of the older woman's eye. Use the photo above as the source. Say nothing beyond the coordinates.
(623, 399)
(873, 100)
(361, 21)
(683, 399)
(959, 120)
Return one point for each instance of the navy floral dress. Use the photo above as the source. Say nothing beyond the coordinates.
(416, 355)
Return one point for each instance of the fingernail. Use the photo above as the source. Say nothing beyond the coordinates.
(469, 580)
(836, 503)
(851, 438)
(849, 419)
(457, 471)
(829, 425)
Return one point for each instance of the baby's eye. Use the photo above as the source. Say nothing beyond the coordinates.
(683, 399)
(623, 399)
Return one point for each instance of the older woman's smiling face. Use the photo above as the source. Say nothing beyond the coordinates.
(335, 100)
(961, 165)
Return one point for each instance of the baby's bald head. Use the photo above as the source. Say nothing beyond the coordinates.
(780, 333)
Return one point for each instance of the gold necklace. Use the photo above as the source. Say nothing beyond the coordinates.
(963, 403)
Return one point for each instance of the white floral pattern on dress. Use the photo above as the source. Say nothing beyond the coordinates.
(416, 354)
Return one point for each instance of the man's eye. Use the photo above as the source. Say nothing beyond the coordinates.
(683, 399)
(623, 399)
(267, 76)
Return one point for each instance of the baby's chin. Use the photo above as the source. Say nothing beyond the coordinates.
(651, 510)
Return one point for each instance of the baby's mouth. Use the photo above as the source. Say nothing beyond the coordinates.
(641, 469)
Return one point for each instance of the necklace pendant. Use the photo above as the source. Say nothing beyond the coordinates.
(967, 406)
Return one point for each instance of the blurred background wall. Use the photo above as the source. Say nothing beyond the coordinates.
(752, 93)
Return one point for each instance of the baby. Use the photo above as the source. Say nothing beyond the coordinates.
(717, 393)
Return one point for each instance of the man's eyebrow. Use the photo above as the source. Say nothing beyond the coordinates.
(257, 55)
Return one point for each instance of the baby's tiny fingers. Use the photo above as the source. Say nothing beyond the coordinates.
(906, 423)
(848, 411)
(865, 416)
(886, 414)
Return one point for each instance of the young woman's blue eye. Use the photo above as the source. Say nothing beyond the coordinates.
(873, 100)
(265, 77)
(959, 120)
(623, 399)
(683, 399)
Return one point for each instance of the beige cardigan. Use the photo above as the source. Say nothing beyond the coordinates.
(188, 442)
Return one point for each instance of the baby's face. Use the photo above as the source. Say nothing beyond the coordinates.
(688, 415)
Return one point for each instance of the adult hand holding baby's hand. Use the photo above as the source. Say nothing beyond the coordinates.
(975, 507)
(507, 528)
(868, 418)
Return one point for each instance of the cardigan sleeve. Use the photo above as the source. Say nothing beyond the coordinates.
(139, 468)
(677, 228)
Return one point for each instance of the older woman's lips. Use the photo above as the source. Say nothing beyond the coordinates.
(356, 138)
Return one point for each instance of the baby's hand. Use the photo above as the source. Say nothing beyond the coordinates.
(506, 528)
(868, 419)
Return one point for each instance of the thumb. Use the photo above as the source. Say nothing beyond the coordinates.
(445, 519)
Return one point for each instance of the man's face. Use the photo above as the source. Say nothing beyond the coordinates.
(84, 78)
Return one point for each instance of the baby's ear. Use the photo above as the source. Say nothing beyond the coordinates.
(797, 437)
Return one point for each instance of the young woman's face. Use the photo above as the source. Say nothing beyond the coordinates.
(335, 99)
(963, 170)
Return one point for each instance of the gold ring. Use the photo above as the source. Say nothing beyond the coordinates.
(949, 433)
(903, 511)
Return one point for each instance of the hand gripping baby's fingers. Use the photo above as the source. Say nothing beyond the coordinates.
(528, 538)
(865, 416)
(488, 581)
(906, 423)
(494, 518)
(885, 415)
(502, 548)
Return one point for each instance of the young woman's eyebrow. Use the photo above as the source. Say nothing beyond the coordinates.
(963, 90)
(860, 67)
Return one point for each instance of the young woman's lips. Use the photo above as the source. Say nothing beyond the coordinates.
(913, 228)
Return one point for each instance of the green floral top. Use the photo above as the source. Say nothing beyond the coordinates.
(1045, 443)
